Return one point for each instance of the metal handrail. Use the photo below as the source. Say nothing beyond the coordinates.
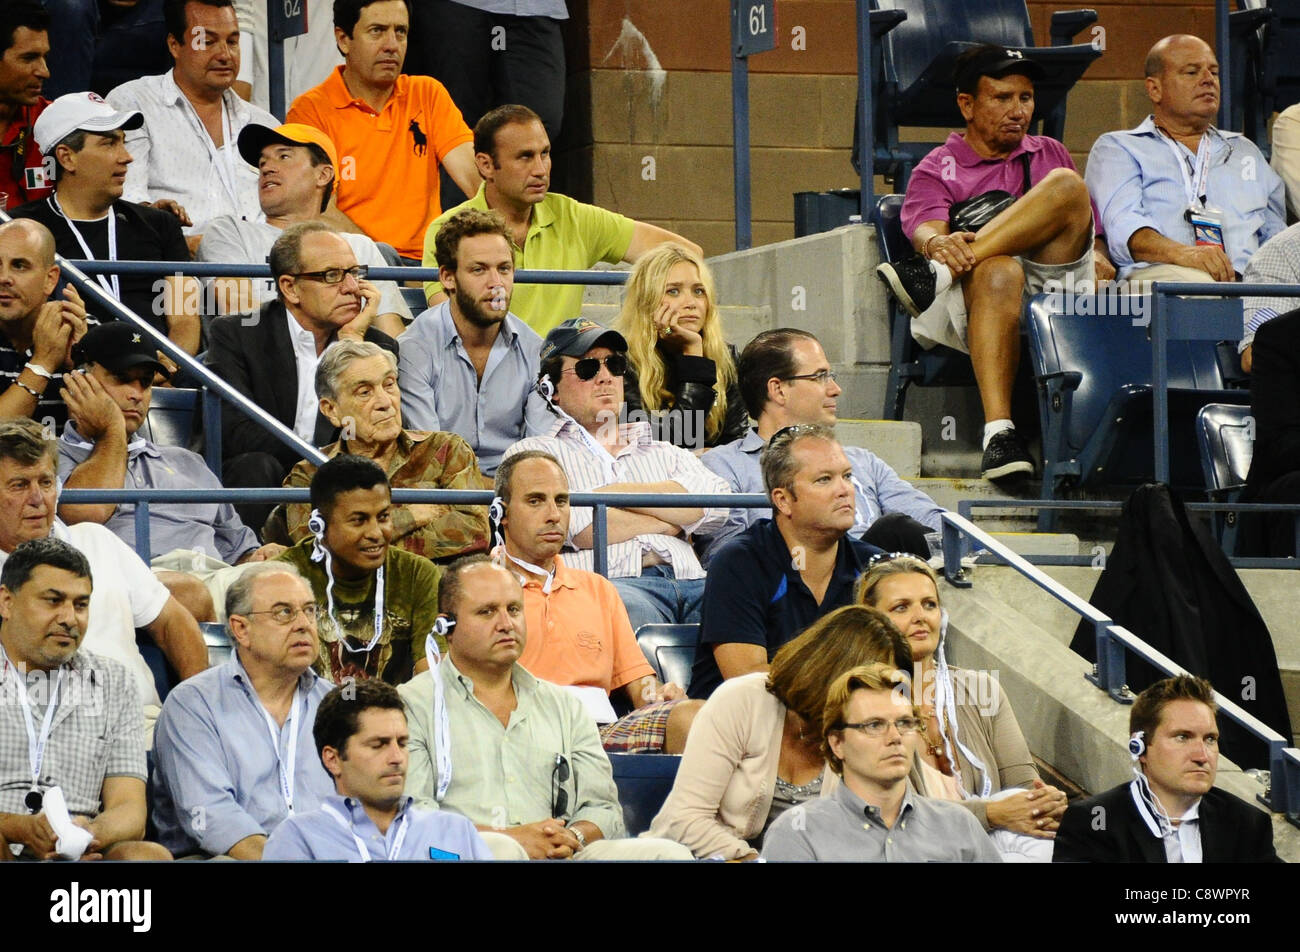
(218, 269)
(598, 502)
(1112, 640)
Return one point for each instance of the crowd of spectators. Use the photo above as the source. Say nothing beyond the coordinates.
(443, 681)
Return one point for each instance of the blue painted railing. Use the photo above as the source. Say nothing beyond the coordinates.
(1113, 642)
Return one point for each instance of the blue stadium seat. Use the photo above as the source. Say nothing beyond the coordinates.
(171, 416)
(1094, 392)
(221, 648)
(909, 363)
(415, 300)
(912, 85)
(1226, 433)
(643, 781)
(670, 649)
(164, 676)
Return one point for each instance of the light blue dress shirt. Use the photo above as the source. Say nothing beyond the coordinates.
(216, 775)
(877, 489)
(1133, 178)
(425, 835)
(441, 390)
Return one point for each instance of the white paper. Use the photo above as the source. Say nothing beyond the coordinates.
(595, 701)
(73, 839)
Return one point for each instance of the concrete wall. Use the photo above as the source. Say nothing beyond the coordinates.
(649, 82)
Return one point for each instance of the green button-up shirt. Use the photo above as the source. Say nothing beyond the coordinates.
(502, 776)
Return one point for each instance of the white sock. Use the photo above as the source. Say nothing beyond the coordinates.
(942, 277)
(995, 427)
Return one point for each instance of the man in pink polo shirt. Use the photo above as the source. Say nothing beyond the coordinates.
(966, 289)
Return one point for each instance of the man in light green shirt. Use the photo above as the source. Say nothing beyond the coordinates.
(548, 231)
(525, 760)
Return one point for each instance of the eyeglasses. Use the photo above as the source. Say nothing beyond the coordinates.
(285, 614)
(588, 367)
(878, 726)
(821, 377)
(335, 275)
(559, 796)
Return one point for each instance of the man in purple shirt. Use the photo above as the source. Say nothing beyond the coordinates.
(964, 289)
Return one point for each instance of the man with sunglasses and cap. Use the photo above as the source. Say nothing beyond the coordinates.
(966, 286)
(84, 142)
(297, 169)
(650, 559)
(468, 364)
(101, 448)
(777, 577)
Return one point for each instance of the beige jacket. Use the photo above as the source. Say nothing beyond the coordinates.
(723, 791)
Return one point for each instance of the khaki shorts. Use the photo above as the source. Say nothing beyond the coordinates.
(944, 321)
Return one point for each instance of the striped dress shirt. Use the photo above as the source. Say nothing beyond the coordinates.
(642, 460)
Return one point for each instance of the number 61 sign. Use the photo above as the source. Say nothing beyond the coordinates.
(755, 29)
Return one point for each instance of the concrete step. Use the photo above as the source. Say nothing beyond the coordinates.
(1039, 543)
(897, 442)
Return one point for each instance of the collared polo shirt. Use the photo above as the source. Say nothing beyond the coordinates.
(22, 170)
(388, 182)
(563, 233)
(755, 595)
(843, 828)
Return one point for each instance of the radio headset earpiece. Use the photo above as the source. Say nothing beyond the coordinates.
(497, 510)
(443, 624)
(546, 388)
(1137, 746)
(316, 526)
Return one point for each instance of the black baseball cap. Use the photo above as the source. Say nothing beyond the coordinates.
(118, 346)
(994, 62)
(576, 336)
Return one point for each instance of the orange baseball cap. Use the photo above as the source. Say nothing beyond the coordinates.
(254, 138)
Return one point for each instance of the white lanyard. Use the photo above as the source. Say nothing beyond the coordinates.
(535, 570)
(1195, 191)
(603, 457)
(286, 775)
(379, 617)
(441, 723)
(393, 850)
(108, 282)
(35, 744)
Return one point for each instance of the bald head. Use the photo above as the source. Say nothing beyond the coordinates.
(35, 235)
(1182, 82)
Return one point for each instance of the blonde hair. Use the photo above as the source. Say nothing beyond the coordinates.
(877, 676)
(864, 590)
(635, 321)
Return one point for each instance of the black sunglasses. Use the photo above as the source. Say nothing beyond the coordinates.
(588, 367)
(559, 796)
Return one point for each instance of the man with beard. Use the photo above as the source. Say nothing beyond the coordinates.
(468, 364)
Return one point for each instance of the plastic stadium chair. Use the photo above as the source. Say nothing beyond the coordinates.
(1226, 433)
(1094, 392)
(643, 781)
(670, 649)
(415, 300)
(909, 362)
(170, 421)
(913, 85)
(220, 646)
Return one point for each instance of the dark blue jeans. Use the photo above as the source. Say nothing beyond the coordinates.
(658, 597)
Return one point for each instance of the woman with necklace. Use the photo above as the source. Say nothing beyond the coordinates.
(971, 737)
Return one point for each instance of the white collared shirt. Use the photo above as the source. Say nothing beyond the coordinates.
(305, 356)
(174, 157)
(1182, 843)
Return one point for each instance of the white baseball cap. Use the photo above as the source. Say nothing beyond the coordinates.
(74, 111)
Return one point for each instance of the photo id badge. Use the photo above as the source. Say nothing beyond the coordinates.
(1207, 226)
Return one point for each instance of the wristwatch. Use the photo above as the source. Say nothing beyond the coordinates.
(582, 840)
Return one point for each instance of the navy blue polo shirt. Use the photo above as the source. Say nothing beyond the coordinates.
(754, 595)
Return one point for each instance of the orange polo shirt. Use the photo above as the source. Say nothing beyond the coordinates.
(387, 180)
(580, 632)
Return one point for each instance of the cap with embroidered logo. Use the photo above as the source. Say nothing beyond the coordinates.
(73, 112)
(118, 346)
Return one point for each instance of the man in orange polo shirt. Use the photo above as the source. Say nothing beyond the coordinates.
(578, 630)
(391, 130)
